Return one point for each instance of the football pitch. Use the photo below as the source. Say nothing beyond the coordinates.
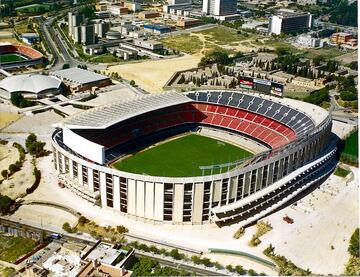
(7, 58)
(182, 157)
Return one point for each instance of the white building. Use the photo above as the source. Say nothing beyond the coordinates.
(218, 8)
(308, 41)
(306, 2)
(286, 22)
(176, 2)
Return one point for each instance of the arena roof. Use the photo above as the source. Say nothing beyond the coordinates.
(34, 83)
(79, 76)
(106, 116)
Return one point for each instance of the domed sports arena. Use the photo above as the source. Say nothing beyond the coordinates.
(16, 55)
(31, 86)
(203, 157)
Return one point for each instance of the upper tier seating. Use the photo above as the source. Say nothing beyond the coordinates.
(296, 120)
(270, 132)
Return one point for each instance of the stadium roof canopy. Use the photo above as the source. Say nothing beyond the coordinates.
(33, 83)
(106, 116)
(79, 76)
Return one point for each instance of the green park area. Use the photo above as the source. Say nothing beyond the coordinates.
(12, 248)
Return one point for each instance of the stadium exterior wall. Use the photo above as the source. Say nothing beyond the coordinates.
(242, 194)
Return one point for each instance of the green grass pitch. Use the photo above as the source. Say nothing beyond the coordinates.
(182, 157)
(7, 58)
(352, 145)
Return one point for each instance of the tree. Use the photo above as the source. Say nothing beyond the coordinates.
(229, 267)
(353, 248)
(65, 66)
(132, 83)
(5, 173)
(5, 204)
(82, 220)
(239, 270)
(353, 65)
(317, 60)
(215, 56)
(175, 254)
(35, 147)
(13, 168)
(66, 227)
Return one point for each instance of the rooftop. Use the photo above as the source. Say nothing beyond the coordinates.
(105, 253)
(34, 83)
(78, 75)
(108, 115)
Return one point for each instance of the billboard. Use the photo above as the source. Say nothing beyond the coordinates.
(277, 89)
(261, 85)
(246, 82)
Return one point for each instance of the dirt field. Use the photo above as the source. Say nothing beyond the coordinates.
(17, 184)
(8, 156)
(38, 123)
(6, 118)
(152, 75)
(347, 58)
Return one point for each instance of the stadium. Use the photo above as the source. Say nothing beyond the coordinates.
(203, 157)
(16, 55)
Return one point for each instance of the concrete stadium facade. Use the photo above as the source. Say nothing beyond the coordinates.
(256, 187)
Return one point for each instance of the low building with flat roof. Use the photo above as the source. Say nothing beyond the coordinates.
(148, 44)
(148, 14)
(80, 79)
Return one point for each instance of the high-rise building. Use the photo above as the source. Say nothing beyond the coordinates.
(288, 21)
(77, 34)
(219, 7)
(87, 34)
(74, 20)
(70, 24)
(101, 28)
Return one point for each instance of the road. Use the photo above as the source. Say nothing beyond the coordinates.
(166, 261)
(180, 265)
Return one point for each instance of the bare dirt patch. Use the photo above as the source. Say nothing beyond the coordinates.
(152, 75)
(6, 118)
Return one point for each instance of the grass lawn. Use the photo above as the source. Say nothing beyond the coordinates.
(12, 248)
(184, 43)
(7, 271)
(105, 58)
(34, 8)
(329, 52)
(352, 145)
(223, 35)
(7, 58)
(182, 157)
(341, 172)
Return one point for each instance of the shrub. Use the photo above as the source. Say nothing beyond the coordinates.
(13, 168)
(154, 249)
(353, 248)
(5, 204)
(83, 220)
(239, 233)
(4, 173)
(121, 229)
(175, 254)
(66, 227)
(239, 270)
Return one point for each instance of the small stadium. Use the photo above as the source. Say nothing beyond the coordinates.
(202, 157)
(16, 55)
